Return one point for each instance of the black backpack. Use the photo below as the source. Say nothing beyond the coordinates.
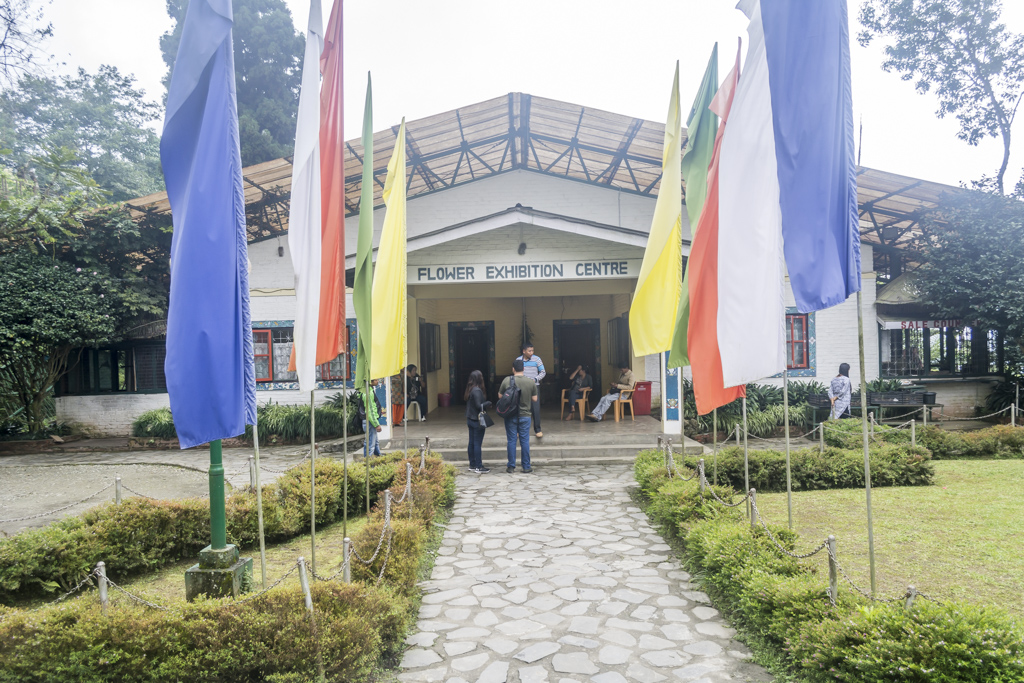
(508, 402)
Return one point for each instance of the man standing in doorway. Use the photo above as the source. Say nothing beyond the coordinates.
(517, 428)
(533, 368)
(624, 383)
(417, 391)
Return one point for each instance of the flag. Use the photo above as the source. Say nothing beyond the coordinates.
(304, 217)
(701, 130)
(331, 332)
(656, 299)
(390, 335)
(362, 287)
(705, 360)
(786, 172)
(209, 362)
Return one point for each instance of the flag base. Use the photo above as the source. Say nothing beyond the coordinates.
(220, 573)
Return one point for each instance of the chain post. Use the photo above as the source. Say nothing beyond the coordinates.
(753, 508)
(408, 483)
(833, 571)
(304, 580)
(660, 444)
(871, 417)
(669, 459)
(346, 572)
(700, 476)
(913, 432)
(117, 490)
(252, 472)
(925, 414)
(821, 436)
(1013, 415)
(911, 595)
(737, 435)
(101, 571)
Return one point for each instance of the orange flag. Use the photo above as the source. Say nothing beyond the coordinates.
(702, 332)
(331, 338)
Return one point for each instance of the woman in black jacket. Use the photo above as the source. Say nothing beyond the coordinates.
(476, 402)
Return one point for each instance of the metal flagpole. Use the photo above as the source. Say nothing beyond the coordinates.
(312, 480)
(405, 400)
(366, 441)
(664, 394)
(714, 441)
(785, 410)
(259, 502)
(864, 430)
(746, 461)
(344, 444)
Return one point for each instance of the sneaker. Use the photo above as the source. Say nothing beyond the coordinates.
(510, 470)
(423, 419)
(483, 470)
(475, 470)
(527, 470)
(591, 418)
(540, 435)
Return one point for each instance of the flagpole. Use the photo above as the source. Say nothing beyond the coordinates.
(344, 442)
(664, 402)
(366, 441)
(218, 515)
(785, 410)
(405, 400)
(714, 439)
(259, 501)
(746, 460)
(864, 432)
(312, 480)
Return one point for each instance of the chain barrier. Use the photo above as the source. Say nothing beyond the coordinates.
(136, 598)
(969, 419)
(88, 579)
(709, 487)
(796, 556)
(408, 483)
(140, 495)
(60, 509)
(380, 543)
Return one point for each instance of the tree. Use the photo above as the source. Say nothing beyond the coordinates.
(47, 309)
(959, 48)
(20, 36)
(974, 268)
(103, 118)
(268, 58)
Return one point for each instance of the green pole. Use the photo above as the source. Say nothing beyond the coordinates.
(218, 517)
(366, 459)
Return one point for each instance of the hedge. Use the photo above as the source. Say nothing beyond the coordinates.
(813, 470)
(141, 535)
(1001, 441)
(849, 434)
(781, 603)
(357, 626)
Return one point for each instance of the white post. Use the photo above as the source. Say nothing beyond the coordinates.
(259, 502)
(117, 490)
(746, 459)
(252, 473)
(714, 441)
(344, 440)
(101, 569)
(405, 408)
(304, 582)
(913, 432)
(864, 430)
(785, 410)
(671, 378)
(312, 481)
(346, 573)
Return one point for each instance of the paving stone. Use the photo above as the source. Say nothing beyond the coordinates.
(704, 613)
(630, 596)
(627, 625)
(443, 596)
(543, 603)
(675, 615)
(496, 672)
(665, 658)
(574, 663)
(459, 647)
(644, 612)
(537, 651)
(692, 672)
(612, 608)
(672, 601)
(577, 641)
(706, 648)
(426, 676)
(613, 654)
(457, 614)
(484, 619)
(569, 593)
(471, 663)
(609, 677)
(533, 674)
(575, 609)
(714, 629)
(584, 625)
(649, 642)
(676, 632)
(697, 596)
(516, 612)
(501, 645)
(548, 618)
(518, 596)
(421, 639)
(642, 674)
(519, 627)
(468, 632)
(618, 637)
(413, 659)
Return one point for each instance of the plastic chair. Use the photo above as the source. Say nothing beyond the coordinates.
(625, 398)
(409, 408)
(583, 403)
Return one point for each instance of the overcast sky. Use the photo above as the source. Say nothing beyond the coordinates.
(430, 57)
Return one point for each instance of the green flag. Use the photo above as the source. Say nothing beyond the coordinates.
(362, 287)
(701, 129)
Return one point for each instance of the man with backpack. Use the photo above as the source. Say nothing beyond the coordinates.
(516, 398)
(369, 418)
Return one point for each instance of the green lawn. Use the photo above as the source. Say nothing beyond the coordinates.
(962, 538)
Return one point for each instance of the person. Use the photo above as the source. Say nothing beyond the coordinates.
(625, 381)
(398, 399)
(417, 391)
(840, 391)
(580, 381)
(518, 427)
(370, 417)
(476, 403)
(533, 366)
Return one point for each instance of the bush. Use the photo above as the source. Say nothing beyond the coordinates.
(268, 639)
(1001, 441)
(140, 535)
(849, 434)
(156, 424)
(811, 470)
(782, 603)
(290, 424)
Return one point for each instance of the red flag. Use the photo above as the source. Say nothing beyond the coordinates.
(331, 332)
(702, 332)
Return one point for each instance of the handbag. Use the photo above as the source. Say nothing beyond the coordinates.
(485, 419)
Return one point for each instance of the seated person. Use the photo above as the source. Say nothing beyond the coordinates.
(625, 381)
(580, 380)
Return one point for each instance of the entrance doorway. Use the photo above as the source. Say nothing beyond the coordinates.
(470, 347)
(578, 342)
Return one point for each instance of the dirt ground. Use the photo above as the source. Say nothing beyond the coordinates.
(37, 489)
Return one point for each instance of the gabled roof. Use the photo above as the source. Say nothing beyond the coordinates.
(519, 131)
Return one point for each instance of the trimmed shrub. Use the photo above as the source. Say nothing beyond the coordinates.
(290, 424)
(155, 424)
(1001, 441)
(848, 434)
(141, 535)
(782, 602)
(811, 470)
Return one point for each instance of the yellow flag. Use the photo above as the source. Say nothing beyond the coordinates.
(652, 315)
(389, 338)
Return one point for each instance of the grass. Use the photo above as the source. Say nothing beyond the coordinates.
(959, 539)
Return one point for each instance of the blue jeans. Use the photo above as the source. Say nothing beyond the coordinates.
(476, 442)
(518, 428)
(372, 444)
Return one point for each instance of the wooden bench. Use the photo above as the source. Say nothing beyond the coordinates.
(821, 404)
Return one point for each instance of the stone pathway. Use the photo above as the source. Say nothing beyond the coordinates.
(556, 577)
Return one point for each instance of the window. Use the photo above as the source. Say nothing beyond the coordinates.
(281, 348)
(430, 347)
(261, 354)
(797, 351)
(332, 370)
(618, 342)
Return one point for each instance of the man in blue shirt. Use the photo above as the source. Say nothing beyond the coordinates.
(533, 368)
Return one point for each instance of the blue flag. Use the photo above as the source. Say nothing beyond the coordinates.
(808, 55)
(209, 365)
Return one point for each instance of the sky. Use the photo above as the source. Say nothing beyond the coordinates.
(431, 57)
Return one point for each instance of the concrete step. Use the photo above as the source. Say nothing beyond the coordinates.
(575, 453)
